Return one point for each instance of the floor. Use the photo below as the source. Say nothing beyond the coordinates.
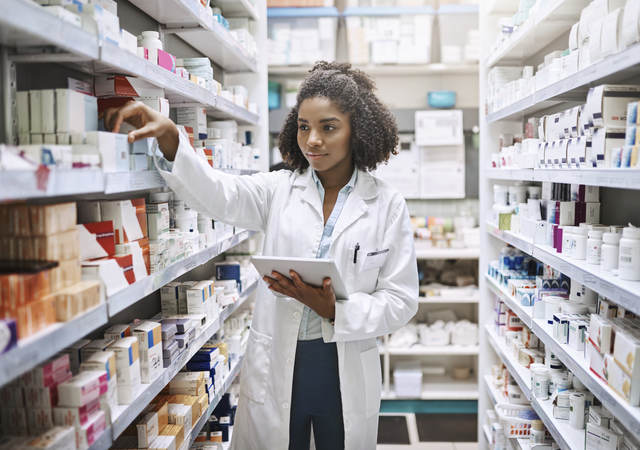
(432, 446)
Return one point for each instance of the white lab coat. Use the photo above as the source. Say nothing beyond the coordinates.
(286, 206)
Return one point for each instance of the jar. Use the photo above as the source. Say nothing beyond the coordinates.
(629, 259)
(541, 383)
(537, 432)
(610, 251)
(594, 247)
(500, 194)
(151, 41)
(568, 241)
(580, 236)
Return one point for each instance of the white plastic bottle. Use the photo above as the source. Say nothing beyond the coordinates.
(629, 258)
(594, 247)
(151, 41)
(610, 251)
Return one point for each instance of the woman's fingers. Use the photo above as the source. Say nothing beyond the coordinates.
(122, 114)
(147, 131)
(297, 281)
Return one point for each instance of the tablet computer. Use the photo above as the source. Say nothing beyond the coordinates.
(311, 270)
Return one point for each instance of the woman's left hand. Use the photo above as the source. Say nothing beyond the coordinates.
(321, 299)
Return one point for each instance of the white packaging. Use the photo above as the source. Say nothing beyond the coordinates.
(75, 112)
(157, 219)
(149, 335)
(630, 30)
(127, 361)
(626, 351)
(610, 37)
(48, 112)
(22, 109)
(148, 429)
(194, 117)
(603, 143)
(625, 385)
(169, 298)
(608, 104)
(108, 272)
(128, 41)
(164, 443)
(125, 221)
(600, 331)
(629, 254)
(180, 414)
(577, 402)
(82, 389)
(35, 107)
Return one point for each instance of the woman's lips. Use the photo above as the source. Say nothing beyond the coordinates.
(315, 156)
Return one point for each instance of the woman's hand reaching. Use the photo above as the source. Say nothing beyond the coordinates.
(321, 299)
(149, 123)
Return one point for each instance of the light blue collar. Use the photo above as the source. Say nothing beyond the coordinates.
(347, 188)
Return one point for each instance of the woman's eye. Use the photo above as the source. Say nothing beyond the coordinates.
(329, 128)
(303, 127)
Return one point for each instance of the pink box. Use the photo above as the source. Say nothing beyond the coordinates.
(91, 431)
(76, 417)
(167, 60)
(82, 389)
(49, 374)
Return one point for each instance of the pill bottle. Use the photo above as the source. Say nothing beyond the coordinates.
(610, 251)
(629, 259)
(594, 247)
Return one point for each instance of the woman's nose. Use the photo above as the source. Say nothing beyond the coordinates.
(314, 139)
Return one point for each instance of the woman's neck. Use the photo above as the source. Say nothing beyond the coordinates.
(336, 177)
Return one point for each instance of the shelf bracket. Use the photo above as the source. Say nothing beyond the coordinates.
(9, 88)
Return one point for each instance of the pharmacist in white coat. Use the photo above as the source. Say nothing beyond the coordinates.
(312, 362)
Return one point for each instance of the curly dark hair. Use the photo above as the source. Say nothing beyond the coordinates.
(374, 133)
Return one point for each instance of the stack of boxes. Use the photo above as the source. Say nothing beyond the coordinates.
(49, 398)
(131, 258)
(31, 294)
(149, 336)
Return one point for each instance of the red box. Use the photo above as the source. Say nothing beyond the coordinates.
(126, 263)
(97, 240)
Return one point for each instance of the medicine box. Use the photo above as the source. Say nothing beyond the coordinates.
(91, 431)
(600, 331)
(626, 351)
(164, 443)
(56, 438)
(157, 220)
(127, 361)
(174, 430)
(75, 112)
(96, 240)
(147, 429)
(117, 331)
(169, 298)
(82, 389)
(150, 344)
(623, 383)
(102, 361)
(129, 218)
(608, 104)
(48, 374)
(75, 416)
(180, 414)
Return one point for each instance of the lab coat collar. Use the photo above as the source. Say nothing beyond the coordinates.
(366, 187)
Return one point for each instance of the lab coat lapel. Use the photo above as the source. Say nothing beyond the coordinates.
(310, 192)
(356, 205)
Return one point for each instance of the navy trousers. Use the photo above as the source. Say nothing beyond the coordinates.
(315, 398)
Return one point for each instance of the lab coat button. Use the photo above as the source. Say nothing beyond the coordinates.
(296, 315)
(289, 361)
(285, 406)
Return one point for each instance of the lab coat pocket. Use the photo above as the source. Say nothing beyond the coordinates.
(372, 375)
(257, 363)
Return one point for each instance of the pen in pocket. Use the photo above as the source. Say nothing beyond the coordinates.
(355, 253)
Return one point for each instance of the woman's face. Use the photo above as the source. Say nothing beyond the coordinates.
(324, 133)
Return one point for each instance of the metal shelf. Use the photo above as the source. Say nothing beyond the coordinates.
(36, 349)
(174, 12)
(216, 42)
(226, 109)
(124, 182)
(126, 414)
(524, 312)
(195, 430)
(613, 69)
(446, 253)
(140, 289)
(511, 238)
(520, 373)
(538, 32)
(440, 388)
(22, 185)
(389, 69)
(614, 178)
(421, 350)
(567, 437)
(575, 361)
(623, 292)
(238, 8)
(30, 25)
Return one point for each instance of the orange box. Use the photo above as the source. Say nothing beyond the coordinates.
(23, 322)
(174, 430)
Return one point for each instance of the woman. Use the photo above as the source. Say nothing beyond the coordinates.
(312, 363)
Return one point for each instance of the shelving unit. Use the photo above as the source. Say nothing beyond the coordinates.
(440, 388)
(29, 36)
(546, 32)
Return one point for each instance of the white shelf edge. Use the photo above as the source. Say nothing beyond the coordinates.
(527, 32)
(519, 373)
(611, 65)
(487, 433)
(470, 392)
(44, 28)
(628, 415)
(23, 185)
(446, 253)
(126, 414)
(447, 300)
(38, 348)
(140, 289)
(435, 350)
(622, 292)
(623, 178)
(524, 312)
(387, 69)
